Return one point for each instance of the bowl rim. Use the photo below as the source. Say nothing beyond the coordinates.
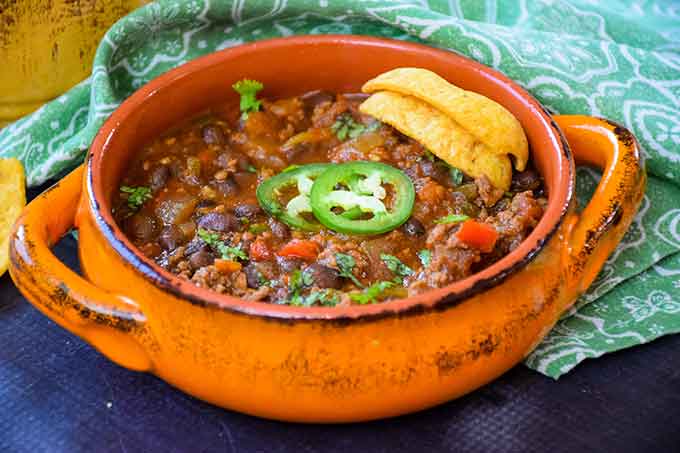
(436, 299)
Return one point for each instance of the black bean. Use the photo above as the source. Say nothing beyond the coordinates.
(224, 159)
(413, 227)
(171, 237)
(288, 264)
(525, 180)
(253, 276)
(280, 295)
(215, 221)
(279, 229)
(159, 177)
(501, 205)
(313, 98)
(540, 192)
(200, 259)
(324, 276)
(247, 210)
(206, 204)
(213, 135)
(436, 171)
(141, 227)
(196, 245)
(228, 187)
(412, 173)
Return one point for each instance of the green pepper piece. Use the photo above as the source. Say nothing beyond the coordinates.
(366, 193)
(301, 177)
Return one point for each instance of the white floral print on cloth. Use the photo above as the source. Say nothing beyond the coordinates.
(619, 59)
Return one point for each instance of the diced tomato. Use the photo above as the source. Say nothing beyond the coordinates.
(259, 250)
(299, 248)
(478, 235)
(227, 266)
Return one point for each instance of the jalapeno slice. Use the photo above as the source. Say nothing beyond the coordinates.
(271, 191)
(342, 190)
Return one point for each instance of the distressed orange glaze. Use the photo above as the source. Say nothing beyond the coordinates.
(323, 364)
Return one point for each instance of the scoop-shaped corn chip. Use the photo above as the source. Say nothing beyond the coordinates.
(440, 134)
(486, 120)
(12, 201)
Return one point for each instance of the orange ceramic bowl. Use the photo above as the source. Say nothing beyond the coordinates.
(322, 364)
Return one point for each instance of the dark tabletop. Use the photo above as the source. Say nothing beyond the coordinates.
(57, 394)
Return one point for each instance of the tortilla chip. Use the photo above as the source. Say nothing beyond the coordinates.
(12, 201)
(440, 134)
(486, 120)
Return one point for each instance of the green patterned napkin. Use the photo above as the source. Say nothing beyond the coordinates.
(618, 59)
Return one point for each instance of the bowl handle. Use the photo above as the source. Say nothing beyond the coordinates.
(112, 323)
(596, 231)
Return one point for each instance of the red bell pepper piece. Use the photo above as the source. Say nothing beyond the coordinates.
(299, 248)
(477, 235)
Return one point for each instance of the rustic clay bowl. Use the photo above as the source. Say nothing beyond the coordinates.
(322, 364)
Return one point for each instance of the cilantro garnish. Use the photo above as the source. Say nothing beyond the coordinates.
(456, 176)
(345, 126)
(226, 252)
(251, 169)
(298, 281)
(399, 269)
(371, 294)
(326, 297)
(425, 257)
(452, 218)
(231, 253)
(137, 196)
(248, 90)
(346, 264)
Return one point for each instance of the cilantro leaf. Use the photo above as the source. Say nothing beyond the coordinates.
(226, 252)
(346, 265)
(231, 253)
(345, 126)
(137, 196)
(399, 269)
(209, 238)
(248, 90)
(326, 297)
(298, 281)
(371, 294)
(295, 281)
(452, 218)
(456, 176)
(425, 257)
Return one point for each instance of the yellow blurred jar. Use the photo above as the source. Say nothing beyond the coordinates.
(47, 46)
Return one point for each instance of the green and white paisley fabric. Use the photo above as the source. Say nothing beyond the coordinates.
(618, 59)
